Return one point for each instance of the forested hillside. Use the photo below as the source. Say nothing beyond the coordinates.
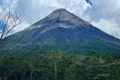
(59, 67)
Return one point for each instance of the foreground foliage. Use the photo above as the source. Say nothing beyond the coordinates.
(59, 67)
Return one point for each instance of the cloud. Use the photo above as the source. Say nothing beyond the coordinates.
(37, 9)
(104, 9)
(108, 26)
(13, 4)
(20, 27)
(8, 4)
(105, 15)
(0, 9)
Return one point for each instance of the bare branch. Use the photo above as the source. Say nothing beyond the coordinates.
(10, 22)
(17, 21)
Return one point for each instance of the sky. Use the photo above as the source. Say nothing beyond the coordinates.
(103, 14)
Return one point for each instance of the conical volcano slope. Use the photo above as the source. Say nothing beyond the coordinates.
(61, 31)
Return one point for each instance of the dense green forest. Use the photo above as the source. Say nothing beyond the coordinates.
(59, 67)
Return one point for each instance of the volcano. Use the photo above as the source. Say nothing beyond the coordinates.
(61, 31)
